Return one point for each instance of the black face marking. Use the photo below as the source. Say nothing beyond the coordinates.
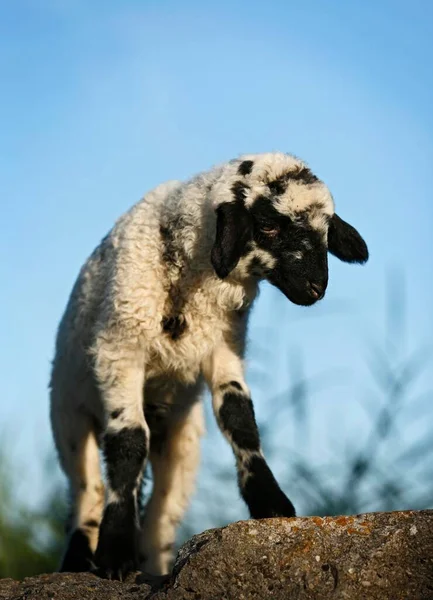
(116, 413)
(291, 234)
(174, 326)
(79, 556)
(117, 552)
(125, 452)
(245, 167)
(264, 210)
(237, 418)
(279, 185)
(262, 493)
(239, 189)
(292, 274)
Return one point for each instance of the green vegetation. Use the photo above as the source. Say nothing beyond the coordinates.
(30, 540)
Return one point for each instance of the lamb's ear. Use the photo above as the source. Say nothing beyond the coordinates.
(345, 243)
(233, 231)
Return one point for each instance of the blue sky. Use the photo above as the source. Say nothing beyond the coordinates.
(100, 101)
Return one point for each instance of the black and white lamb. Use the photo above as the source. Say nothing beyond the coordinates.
(159, 308)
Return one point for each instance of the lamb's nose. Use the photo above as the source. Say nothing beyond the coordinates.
(317, 290)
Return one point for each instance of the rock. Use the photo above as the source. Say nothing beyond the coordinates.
(373, 556)
(382, 555)
(72, 586)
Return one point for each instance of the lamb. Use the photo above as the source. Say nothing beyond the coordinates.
(160, 309)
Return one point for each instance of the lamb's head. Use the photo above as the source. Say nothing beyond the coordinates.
(276, 220)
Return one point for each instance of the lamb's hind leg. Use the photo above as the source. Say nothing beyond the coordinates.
(79, 457)
(175, 457)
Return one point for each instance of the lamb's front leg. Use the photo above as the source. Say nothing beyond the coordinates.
(125, 448)
(234, 412)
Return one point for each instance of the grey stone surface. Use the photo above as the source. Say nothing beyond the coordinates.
(372, 556)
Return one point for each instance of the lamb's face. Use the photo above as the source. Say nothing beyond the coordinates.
(276, 220)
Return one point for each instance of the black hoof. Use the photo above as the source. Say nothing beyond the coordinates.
(262, 493)
(78, 556)
(116, 572)
(116, 557)
(114, 566)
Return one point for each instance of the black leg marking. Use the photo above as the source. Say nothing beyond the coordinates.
(257, 484)
(237, 419)
(245, 167)
(78, 557)
(262, 493)
(125, 452)
(117, 552)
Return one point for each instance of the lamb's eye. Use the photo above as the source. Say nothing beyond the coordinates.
(270, 229)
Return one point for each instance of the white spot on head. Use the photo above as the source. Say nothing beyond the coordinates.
(299, 197)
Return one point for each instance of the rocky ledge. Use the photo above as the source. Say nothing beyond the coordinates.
(373, 556)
